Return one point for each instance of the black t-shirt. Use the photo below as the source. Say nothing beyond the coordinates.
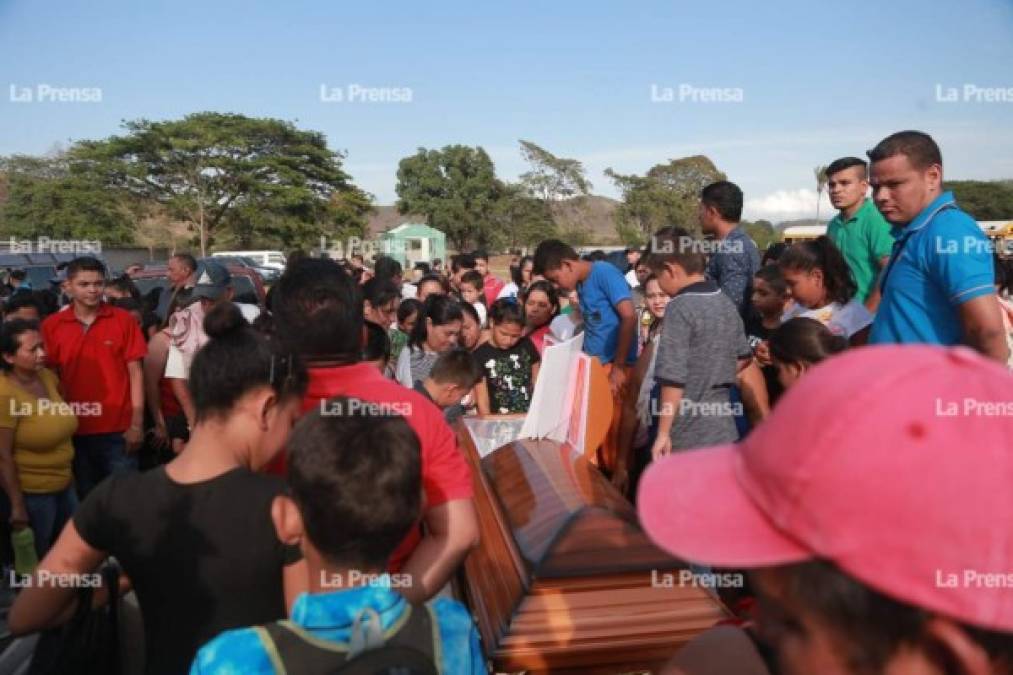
(202, 557)
(756, 333)
(507, 374)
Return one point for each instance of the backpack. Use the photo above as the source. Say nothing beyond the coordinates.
(410, 650)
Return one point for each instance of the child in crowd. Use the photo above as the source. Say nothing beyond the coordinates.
(800, 343)
(821, 284)
(770, 299)
(23, 306)
(635, 433)
(356, 491)
(407, 315)
(436, 331)
(508, 360)
(610, 322)
(377, 347)
(472, 285)
(450, 383)
(174, 530)
(380, 299)
(701, 351)
(472, 334)
(541, 305)
(569, 322)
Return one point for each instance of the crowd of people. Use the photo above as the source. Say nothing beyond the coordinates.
(282, 489)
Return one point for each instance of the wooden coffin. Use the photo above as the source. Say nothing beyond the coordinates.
(564, 579)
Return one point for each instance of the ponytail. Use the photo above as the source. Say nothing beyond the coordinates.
(822, 254)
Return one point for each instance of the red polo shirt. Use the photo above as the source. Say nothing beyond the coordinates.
(446, 475)
(92, 364)
(491, 286)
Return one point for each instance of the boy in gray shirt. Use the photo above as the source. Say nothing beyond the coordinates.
(702, 349)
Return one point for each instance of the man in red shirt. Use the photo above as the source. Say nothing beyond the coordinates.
(97, 349)
(318, 311)
(491, 284)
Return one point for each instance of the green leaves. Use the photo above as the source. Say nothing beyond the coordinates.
(667, 195)
(248, 178)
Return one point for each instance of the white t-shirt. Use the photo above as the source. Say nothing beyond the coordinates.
(480, 308)
(510, 290)
(177, 365)
(563, 327)
(631, 278)
(841, 319)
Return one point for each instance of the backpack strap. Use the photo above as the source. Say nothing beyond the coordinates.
(293, 649)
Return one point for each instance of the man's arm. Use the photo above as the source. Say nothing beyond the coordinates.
(874, 297)
(451, 532)
(671, 396)
(755, 397)
(627, 332)
(981, 319)
(154, 368)
(135, 434)
(43, 605)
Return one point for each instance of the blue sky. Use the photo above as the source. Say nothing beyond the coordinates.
(818, 80)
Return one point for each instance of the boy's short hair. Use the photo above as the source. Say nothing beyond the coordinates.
(843, 163)
(726, 198)
(480, 254)
(920, 149)
(774, 277)
(21, 300)
(377, 345)
(457, 367)
(674, 245)
(462, 261)
(356, 476)
(85, 264)
(473, 278)
(550, 255)
(318, 309)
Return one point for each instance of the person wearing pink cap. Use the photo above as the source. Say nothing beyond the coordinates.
(874, 510)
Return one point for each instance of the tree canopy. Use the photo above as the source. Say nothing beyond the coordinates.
(666, 195)
(219, 171)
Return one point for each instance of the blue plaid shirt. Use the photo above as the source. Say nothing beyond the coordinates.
(329, 616)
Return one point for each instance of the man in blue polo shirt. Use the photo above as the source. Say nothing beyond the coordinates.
(938, 284)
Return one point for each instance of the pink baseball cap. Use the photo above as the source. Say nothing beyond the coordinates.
(893, 462)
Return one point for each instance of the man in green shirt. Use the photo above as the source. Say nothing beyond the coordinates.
(858, 230)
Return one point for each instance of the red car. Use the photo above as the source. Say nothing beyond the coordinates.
(246, 284)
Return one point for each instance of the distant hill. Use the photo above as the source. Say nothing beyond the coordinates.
(593, 213)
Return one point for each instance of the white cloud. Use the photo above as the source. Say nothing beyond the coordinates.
(787, 205)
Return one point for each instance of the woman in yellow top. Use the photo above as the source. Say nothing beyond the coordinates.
(36, 426)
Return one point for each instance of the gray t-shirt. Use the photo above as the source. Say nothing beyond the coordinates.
(702, 340)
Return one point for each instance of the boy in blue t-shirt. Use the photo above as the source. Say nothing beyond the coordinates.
(356, 489)
(610, 322)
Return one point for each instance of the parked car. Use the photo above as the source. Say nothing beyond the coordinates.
(247, 285)
(269, 274)
(275, 259)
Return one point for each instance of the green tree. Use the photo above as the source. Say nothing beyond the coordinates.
(215, 170)
(552, 178)
(762, 232)
(821, 183)
(455, 189)
(520, 220)
(53, 197)
(984, 200)
(667, 195)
